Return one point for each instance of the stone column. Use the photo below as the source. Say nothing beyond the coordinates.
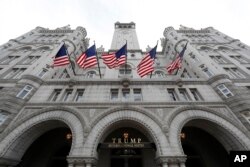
(171, 161)
(75, 162)
(90, 161)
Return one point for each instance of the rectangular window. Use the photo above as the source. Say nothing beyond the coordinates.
(42, 73)
(240, 59)
(64, 74)
(185, 74)
(137, 95)
(55, 95)
(15, 73)
(224, 90)
(218, 59)
(27, 60)
(125, 94)
(8, 59)
(114, 94)
(79, 95)
(3, 117)
(234, 73)
(207, 72)
(25, 91)
(196, 95)
(67, 94)
(184, 95)
(172, 94)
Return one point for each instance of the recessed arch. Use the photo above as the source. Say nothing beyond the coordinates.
(229, 135)
(122, 108)
(16, 142)
(97, 132)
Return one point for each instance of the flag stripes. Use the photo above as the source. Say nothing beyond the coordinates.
(177, 63)
(115, 59)
(88, 59)
(61, 58)
(174, 65)
(146, 66)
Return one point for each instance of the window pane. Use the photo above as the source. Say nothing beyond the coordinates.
(183, 95)
(24, 92)
(172, 94)
(125, 94)
(67, 94)
(55, 94)
(114, 94)
(79, 94)
(137, 95)
(196, 95)
(42, 73)
(3, 117)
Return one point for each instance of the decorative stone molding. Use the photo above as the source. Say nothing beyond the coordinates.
(178, 43)
(21, 135)
(33, 78)
(5, 162)
(234, 138)
(171, 159)
(72, 43)
(167, 31)
(127, 107)
(82, 160)
(150, 127)
(82, 30)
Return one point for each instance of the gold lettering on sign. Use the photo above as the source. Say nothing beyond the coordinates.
(113, 139)
(139, 140)
(120, 140)
(133, 140)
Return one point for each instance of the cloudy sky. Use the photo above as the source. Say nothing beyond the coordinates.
(151, 17)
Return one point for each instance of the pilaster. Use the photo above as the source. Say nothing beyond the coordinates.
(171, 161)
(81, 161)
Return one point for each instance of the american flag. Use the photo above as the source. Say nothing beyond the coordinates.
(115, 59)
(88, 58)
(146, 65)
(61, 57)
(177, 63)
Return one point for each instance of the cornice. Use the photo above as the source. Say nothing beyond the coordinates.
(193, 31)
(56, 31)
(164, 81)
(125, 104)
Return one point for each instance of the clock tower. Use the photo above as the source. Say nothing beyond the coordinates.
(123, 32)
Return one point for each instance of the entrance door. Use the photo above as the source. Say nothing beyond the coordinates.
(49, 150)
(126, 162)
(126, 147)
(126, 158)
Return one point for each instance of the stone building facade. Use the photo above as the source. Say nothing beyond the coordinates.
(51, 117)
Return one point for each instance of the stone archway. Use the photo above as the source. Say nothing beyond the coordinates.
(231, 137)
(14, 145)
(148, 124)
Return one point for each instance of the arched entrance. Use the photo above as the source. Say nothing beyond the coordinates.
(126, 146)
(202, 149)
(49, 150)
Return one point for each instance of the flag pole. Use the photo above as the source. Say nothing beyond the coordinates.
(154, 59)
(98, 61)
(126, 59)
(69, 59)
(181, 60)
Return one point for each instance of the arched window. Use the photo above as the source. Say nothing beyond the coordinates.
(125, 70)
(91, 74)
(160, 74)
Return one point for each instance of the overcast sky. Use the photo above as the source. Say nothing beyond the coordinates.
(231, 17)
